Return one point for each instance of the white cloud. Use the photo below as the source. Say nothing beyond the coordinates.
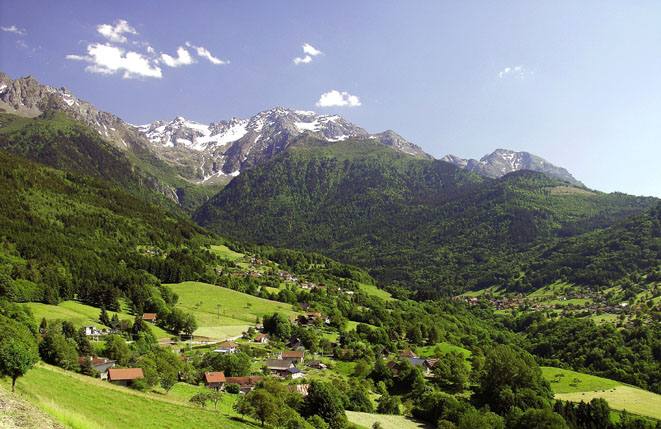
(337, 98)
(518, 72)
(303, 60)
(115, 33)
(311, 51)
(108, 59)
(13, 29)
(183, 58)
(142, 60)
(204, 53)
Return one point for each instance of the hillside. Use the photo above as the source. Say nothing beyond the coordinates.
(65, 234)
(428, 224)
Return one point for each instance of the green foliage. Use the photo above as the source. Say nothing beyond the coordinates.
(58, 350)
(512, 379)
(18, 343)
(323, 401)
(417, 223)
(232, 365)
(389, 405)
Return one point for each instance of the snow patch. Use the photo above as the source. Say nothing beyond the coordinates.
(307, 126)
(3, 88)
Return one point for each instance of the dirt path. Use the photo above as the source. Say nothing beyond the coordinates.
(16, 412)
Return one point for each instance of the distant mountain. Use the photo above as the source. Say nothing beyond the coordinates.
(230, 146)
(198, 153)
(418, 223)
(503, 161)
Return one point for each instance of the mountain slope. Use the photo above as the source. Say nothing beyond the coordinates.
(416, 222)
(503, 161)
(222, 150)
(65, 234)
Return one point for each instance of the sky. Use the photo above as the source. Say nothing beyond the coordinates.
(577, 83)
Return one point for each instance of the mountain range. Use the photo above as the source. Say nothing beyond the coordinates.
(213, 154)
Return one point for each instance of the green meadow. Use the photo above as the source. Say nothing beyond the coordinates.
(375, 291)
(387, 421)
(78, 401)
(81, 315)
(574, 386)
(224, 313)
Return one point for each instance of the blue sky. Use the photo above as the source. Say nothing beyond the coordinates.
(578, 83)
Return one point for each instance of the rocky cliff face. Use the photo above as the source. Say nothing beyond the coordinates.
(503, 161)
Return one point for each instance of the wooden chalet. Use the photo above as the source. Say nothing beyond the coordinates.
(295, 356)
(149, 318)
(246, 384)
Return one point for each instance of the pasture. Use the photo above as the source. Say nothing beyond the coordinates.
(387, 421)
(84, 402)
(224, 313)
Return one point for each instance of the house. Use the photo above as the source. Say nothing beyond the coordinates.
(262, 339)
(295, 373)
(394, 367)
(91, 330)
(293, 356)
(279, 366)
(149, 318)
(294, 343)
(214, 380)
(317, 364)
(246, 384)
(124, 377)
(408, 353)
(227, 347)
(100, 365)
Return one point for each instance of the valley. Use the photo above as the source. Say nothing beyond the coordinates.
(293, 270)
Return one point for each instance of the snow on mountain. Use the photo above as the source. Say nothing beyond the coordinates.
(503, 161)
(232, 145)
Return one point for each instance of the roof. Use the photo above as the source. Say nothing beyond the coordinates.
(243, 381)
(125, 374)
(214, 377)
(260, 337)
(314, 362)
(408, 353)
(278, 364)
(293, 354)
(415, 360)
(293, 370)
(227, 345)
(149, 316)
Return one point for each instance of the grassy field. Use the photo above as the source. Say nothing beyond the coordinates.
(387, 421)
(226, 252)
(576, 387)
(375, 291)
(428, 351)
(236, 313)
(632, 399)
(84, 402)
(80, 315)
(565, 381)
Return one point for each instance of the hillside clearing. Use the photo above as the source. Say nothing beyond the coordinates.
(387, 421)
(632, 399)
(224, 313)
(566, 381)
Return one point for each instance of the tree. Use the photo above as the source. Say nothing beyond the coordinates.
(278, 326)
(103, 317)
(117, 349)
(167, 379)
(451, 372)
(263, 406)
(17, 358)
(58, 350)
(542, 418)
(200, 399)
(324, 402)
(389, 405)
(214, 396)
(243, 406)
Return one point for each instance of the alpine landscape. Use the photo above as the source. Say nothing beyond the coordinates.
(183, 251)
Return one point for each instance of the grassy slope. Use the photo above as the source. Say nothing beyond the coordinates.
(80, 315)
(375, 291)
(84, 402)
(387, 421)
(238, 311)
(619, 396)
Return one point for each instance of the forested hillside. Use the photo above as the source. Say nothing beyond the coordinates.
(60, 142)
(65, 234)
(416, 223)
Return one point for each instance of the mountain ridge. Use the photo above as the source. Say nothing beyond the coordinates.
(503, 161)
